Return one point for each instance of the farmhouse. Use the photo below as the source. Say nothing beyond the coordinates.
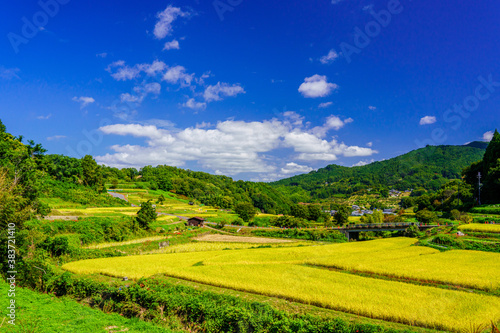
(196, 222)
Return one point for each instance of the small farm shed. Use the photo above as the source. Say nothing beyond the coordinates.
(196, 222)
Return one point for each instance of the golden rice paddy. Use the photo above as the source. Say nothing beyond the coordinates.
(282, 272)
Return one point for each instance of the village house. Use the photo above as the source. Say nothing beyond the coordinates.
(196, 222)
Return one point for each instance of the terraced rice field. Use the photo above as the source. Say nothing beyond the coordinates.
(134, 241)
(217, 246)
(283, 272)
(495, 228)
(239, 239)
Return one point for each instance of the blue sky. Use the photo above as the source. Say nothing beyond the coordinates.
(257, 90)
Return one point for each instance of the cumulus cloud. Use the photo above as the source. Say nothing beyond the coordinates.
(324, 105)
(83, 100)
(488, 136)
(329, 58)
(229, 147)
(177, 74)
(216, 92)
(173, 45)
(121, 72)
(141, 92)
(332, 122)
(192, 104)
(373, 108)
(163, 26)
(294, 168)
(316, 86)
(101, 55)
(427, 120)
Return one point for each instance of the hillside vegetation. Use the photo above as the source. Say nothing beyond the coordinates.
(429, 168)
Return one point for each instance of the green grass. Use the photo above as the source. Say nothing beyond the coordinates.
(46, 313)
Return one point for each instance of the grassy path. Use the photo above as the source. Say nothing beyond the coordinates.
(46, 313)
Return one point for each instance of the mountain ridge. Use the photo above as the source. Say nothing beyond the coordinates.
(429, 167)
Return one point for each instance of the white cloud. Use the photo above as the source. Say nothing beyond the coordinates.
(369, 144)
(332, 122)
(324, 105)
(192, 104)
(9, 73)
(178, 74)
(334, 2)
(56, 137)
(427, 120)
(101, 55)
(216, 92)
(128, 98)
(293, 118)
(316, 86)
(373, 108)
(365, 162)
(44, 117)
(163, 26)
(329, 58)
(153, 68)
(229, 147)
(173, 45)
(294, 168)
(83, 100)
(488, 136)
(123, 72)
(141, 92)
(149, 88)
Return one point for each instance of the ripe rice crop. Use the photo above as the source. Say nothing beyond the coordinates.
(280, 276)
(217, 246)
(240, 239)
(480, 227)
(133, 241)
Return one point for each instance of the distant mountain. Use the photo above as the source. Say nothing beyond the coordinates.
(428, 167)
(477, 144)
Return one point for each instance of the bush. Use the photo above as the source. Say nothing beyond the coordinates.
(57, 246)
(447, 240)
(426, 216)
(238, 221)
(245, 210)
(455, 214)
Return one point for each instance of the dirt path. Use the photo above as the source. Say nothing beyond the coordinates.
(118, 195)
(60, 217)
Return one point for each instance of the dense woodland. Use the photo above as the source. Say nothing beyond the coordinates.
(429, 168)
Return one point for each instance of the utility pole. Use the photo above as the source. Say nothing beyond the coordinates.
(479, 186)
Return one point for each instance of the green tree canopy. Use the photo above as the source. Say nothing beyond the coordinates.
(146, 215)
(245, 210)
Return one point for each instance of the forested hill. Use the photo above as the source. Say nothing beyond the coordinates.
(428, 167)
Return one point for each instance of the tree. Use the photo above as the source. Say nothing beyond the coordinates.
(341, 217)
(91, 174)
(314, 212)
(378, 216)
(146, 215)
(426, 216)
(161, 199)
(300, 211)
(245, 210)
(492, 153)
(489, 167)
(455, 214)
